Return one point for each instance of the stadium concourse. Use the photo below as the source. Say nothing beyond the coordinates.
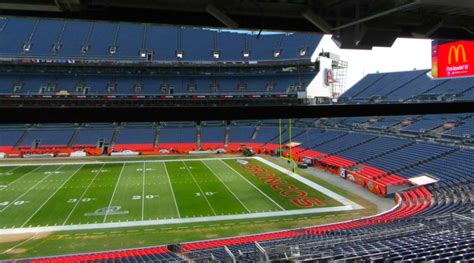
(381, 154)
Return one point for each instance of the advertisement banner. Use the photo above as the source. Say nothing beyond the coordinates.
(452, 59)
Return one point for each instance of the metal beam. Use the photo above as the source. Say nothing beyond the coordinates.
(221, 16)
(316, 20)
(383, 13)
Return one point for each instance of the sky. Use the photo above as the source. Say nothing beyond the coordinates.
(405, 54)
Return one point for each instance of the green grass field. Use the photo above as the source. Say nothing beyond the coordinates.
(74, 194)
(155, 201)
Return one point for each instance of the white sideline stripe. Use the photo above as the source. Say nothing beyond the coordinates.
(83, 193)
(243, 177)
(397, 205)
(143, 191)
(19, 244)
(113, 194)
(55, 192)
(112, 162)
(172, 191)
(236, 197)
(311, 184)
(14, 181)
(172, 221)
(31, 188)
(200, 189)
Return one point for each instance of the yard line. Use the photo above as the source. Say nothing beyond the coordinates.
(113, 194)
(143, 191)
(39, 166)
(31, 188)
(119, 162)
(57, 190)
(243, 177)
(13, 169)
(172, 191)
(202, 192)
(238, 199)
(19, 244)
(83, 193)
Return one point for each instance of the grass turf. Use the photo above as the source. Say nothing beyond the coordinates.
(146, 190)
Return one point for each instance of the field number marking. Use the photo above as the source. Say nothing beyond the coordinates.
(139, 197)
(206, 193)
(84, 200)
(19, 202)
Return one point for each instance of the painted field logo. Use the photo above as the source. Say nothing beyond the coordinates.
(113, 210)
(297, 196)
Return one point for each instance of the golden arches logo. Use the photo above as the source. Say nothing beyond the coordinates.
(456, 50)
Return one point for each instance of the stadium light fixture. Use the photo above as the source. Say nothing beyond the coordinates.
(85, 48)
(27, 47)
(56, 47)
(112, 50)
(302, 52)
(180, 54)
(276, 53)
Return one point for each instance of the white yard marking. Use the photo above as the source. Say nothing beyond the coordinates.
(143, 191)
(250, 183)
(82, 195)
(19, 244)
(113, 194)
(27, 191)
(9, 172)
(115, 162)
(14, 181)
(55, 192)
(173, 221)
(236, 197)
(205, 197)
(172, 191)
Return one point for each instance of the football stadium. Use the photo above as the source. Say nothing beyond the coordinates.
(201, 131)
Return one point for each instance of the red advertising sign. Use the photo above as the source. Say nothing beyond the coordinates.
(452, 59)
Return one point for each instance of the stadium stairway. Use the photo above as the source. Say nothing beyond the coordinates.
(74, 137)
(156, 140)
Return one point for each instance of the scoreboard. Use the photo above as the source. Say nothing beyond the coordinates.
(452, 58)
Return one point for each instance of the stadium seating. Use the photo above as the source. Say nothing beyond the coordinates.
(408, 86)
(385, 158)
(43, 38)
(381, 152)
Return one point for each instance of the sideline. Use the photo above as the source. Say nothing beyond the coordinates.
(171, 221)
(311, 184)
(134, 161)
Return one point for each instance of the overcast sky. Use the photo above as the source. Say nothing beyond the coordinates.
(405, 54)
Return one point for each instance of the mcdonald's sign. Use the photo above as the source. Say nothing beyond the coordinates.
(452, 59)
(456, 50)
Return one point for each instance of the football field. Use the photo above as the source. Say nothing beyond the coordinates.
(88, 195)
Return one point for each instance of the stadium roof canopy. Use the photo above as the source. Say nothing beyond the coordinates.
(359, 24)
